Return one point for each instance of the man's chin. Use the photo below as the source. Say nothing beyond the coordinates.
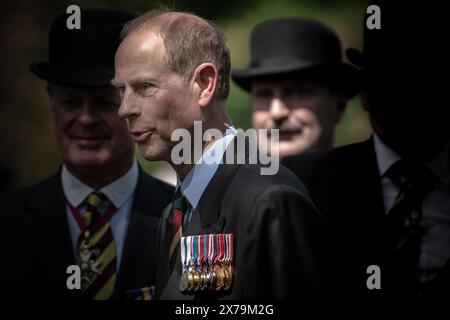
(154, 152)
(89, 159)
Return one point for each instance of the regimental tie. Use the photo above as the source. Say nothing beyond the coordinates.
(96, 252)
(176, 220)
(403, 225)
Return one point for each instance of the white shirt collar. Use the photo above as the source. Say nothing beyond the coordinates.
(386, 157)
(117, 191)
(198, 178)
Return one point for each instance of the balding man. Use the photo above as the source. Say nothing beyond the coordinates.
(243, 235)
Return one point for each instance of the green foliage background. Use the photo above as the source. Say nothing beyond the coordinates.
(26, 134)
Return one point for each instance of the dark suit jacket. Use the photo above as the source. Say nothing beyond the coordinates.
(346, 187)
(42, 248)
(279, 237)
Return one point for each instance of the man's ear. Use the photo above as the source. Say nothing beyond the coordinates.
(205, 78)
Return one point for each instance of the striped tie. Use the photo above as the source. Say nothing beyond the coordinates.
(96, 249)
(179, 208)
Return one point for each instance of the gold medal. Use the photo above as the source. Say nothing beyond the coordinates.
(190, 282)
(196, 281)
(184, 281)
(219, 277)
(208, 279)
(228, 276)
(202, 280)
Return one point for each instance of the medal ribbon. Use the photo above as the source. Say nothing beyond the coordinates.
(201, 250)
(189, 251)
(195, 251)
(216, 248)
(184, 259)
(220, 247)
(231, 247)
(211, 254)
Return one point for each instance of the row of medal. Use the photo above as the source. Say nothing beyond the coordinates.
(207, 262)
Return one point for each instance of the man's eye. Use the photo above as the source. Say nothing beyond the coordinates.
(121, 90)
(303, 91)
(70, 102)
(144, 86)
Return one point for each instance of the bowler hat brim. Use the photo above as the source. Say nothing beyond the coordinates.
(346, 75)
(355, 56)
(72, 76)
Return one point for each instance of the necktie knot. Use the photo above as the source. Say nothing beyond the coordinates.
(177, 217)
(179, 201)
(406, 172)
(94, 201)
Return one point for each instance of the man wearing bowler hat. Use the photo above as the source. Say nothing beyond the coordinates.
(298, 82)
(388, 198)
(100, 211)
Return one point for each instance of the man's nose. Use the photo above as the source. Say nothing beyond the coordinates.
(128, 106)
(278, 109)
(87, 115)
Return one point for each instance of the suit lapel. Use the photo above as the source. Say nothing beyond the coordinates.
(206, 219)
(363, 191)
(163, 272)
(48, 229)
(138, 261)
(171, 288)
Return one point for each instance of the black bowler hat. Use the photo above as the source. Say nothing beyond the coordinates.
(85, 56)
(378, 43)
(300, 46)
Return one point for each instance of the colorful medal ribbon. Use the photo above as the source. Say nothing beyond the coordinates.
(207, 262)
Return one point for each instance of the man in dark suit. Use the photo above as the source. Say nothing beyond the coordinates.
(232, 232)
(99, 213)
(388, 198)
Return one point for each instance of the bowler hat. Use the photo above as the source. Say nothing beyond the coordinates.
(391, 45)
(83, 56)
(297, 45)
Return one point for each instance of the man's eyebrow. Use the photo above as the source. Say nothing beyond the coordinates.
(114, 82)
(141, 79)
(138, 79)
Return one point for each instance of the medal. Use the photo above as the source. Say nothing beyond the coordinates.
(207, 262)
(87, 260)
(195, 258)
(190, 282)
(228, 261)
(190, 274)
(210, 260)
(203, 258)
(184, 263)
(218, 271)
(219, 277)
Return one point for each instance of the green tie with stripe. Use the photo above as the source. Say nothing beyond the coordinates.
(96, 249)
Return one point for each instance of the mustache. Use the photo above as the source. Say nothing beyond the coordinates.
(94, 133)
(288, 126)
